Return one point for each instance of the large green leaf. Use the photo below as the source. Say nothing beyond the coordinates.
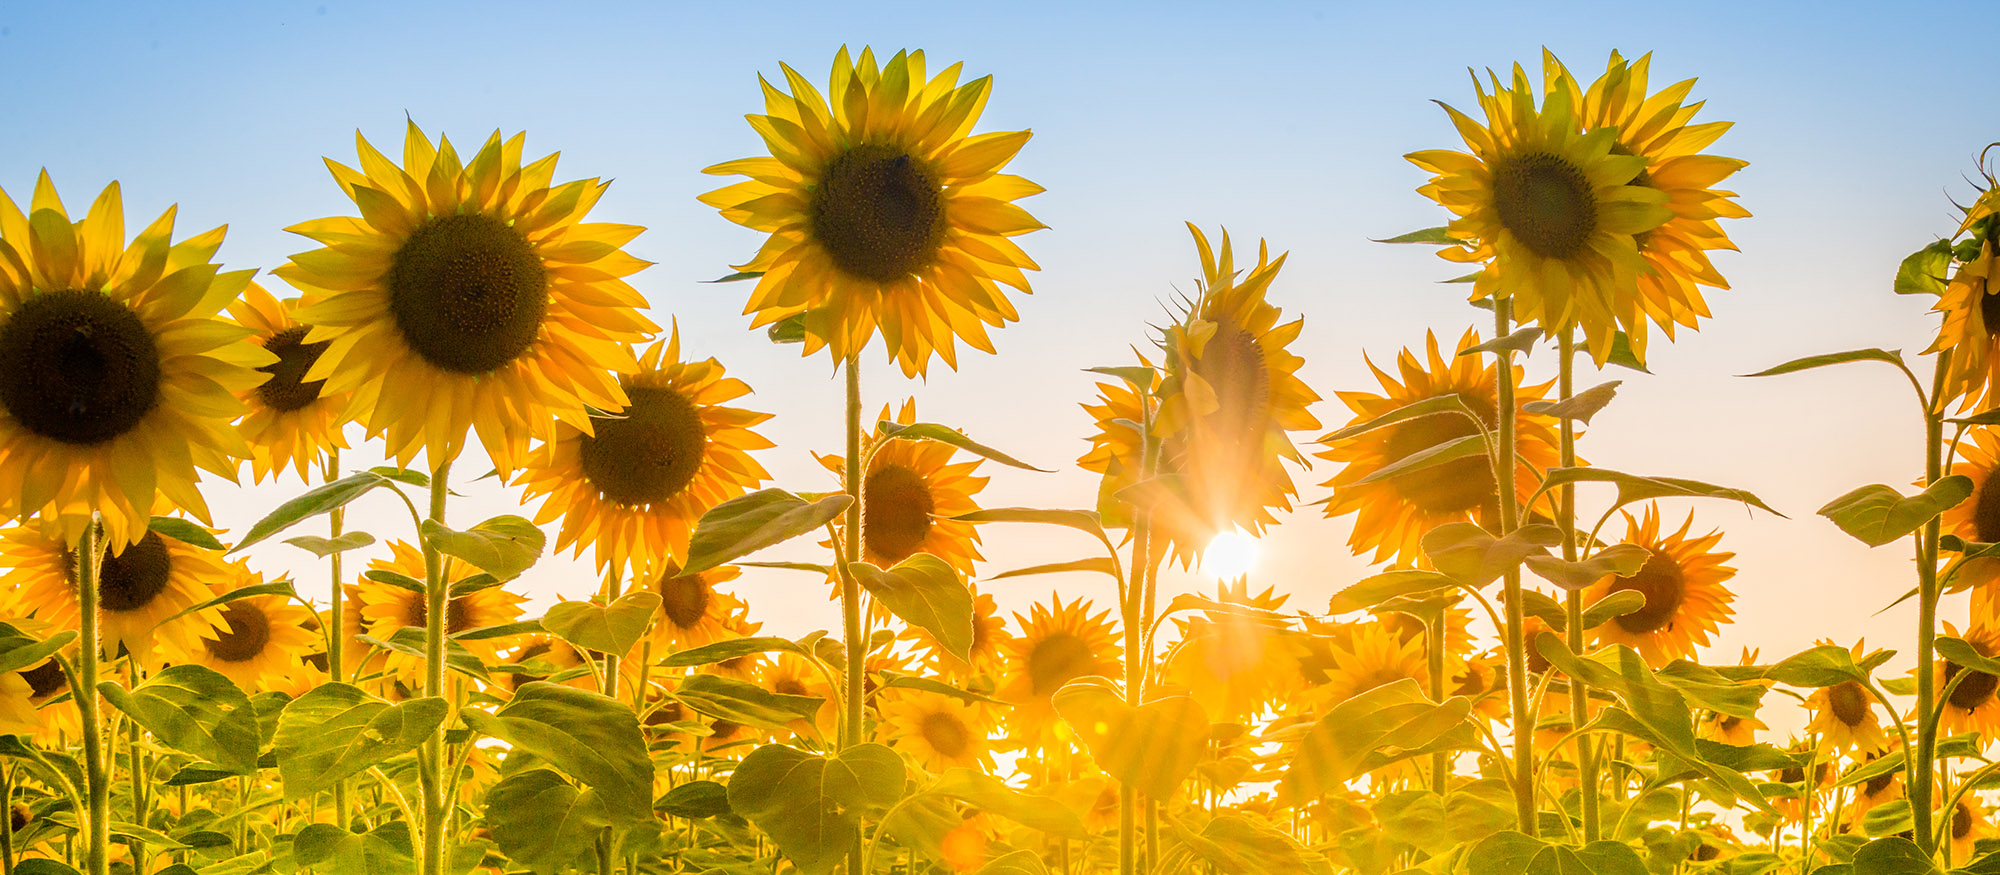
(1428, 458)
(925, 592)
(695, 799)
(1374, 590)
(1621, 560)
(19, 650)
(1711, 690)
(813, 806)
(1877, 514)
(930, 431)
(746, 524)
(1824, 666)
(316, 501)
(1923, 271)
(1894, 855)
(1632, 487)
(1238, 843)
(588, 736)
(1511, 853)
(1377, 727)
(993, 796)
(744, 702)
(503, 546)
(194, 709)
(1022, 862)
(332, 850)
(546, 823)
(336, 731)
(606, 629)
(1438, 404)
(722, 651)
(1152, 747)
(1472, 556)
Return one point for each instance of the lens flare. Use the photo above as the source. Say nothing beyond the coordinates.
(1230, 555)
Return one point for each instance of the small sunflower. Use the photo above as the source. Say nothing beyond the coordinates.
(468, 294)
(380, 609)
(1058, 644)
(117, 377)
(1977, 519)
(1392, 515)
(1236, 664)
(940, 731)
(138, 589)
(884, 212)
(910, 494)
(1886, 787)
(46, 683)
(1682, 581)
(1229, 397)
(1972, 705)
(1969, 824)
(1844, 716)
(1550, 212)
(692, 611)
(259, 642)
(1368, 656)
(989, 635)
(536, 651)
(1971, 305)
(292, 422)
(633, 485)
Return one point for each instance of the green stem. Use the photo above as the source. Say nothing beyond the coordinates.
(437, 598)
(850, 589)
(1922, 759)
(1434, 636)
(6, 819)
(1517, 654)
(1579, 695)
(336, 665)
(97, 843)
(611, 584)
(139, 775)
(1134, 609)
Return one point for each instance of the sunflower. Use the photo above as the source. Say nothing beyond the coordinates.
(258, 642)
(117, 377)
(379, 609)
(1235, 664)
(291, 423)
(1977, 520)
(1117, 447)
(1230, 394)
(989, 635)
(543, 651)
(1968, 825)
(1729, 728)
(18, 714)
(939, 731)
(1886, 787)
(1057, 644)
(1369, 655)
(1656, 127)
(792, 675)
(1972, 705)
(1549, 212)
(883, 212)
(1392, 515)
(1844, 717)
(1682, 581)
(138, 590)
(47, 682)
(468, 295)
(911, 493)
(692, 612)
(1971, 305)
(634, 483)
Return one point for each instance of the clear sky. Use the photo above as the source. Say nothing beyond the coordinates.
(1286, 121)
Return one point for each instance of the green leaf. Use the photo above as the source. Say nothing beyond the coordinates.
(185, 531)
(314, 502)
(1622, 560)
(931, 431)
(1825, 666)
(723, 651)
(546, 823)
(1521, 341)
(813, 806)
(1622, 354)
(1504, 853)
(1535, 603)
(1021, 862)
(1894, 855)
(1606, 857)
(925, 592)
(737, 277)
(929, 685)
(746, 524)
(1710, 689)
(324, 547)
(744, 702)
(993, 796)
(1086, 521)
(1580, 406)
(503, 546)
(1439, 235)
(1894, 357)
(695, 799)
(394, 578)
(1374, 590)
(1961, 652)
(791, 329)
(1139, 376)
(331, 850)
(409, 641)
(1923, 271)
(195, 710)
(1429, 457)
(1612, 606)
(1100, 564)
(1434, 405)
(1472, 556)
(19, 650)
(1632, 487)
(587, 736)
(336, 731)
(610, 629)
(1152, 747)
(1383, 725)
(45, 866)
(1878, 514)
(1236, 843)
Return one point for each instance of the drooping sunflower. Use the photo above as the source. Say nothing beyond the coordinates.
(1058, 644)
(884, 212)
(138, 589)
(1977, 519)
(1235, 664)
(1729, 728)
(1392, 515)
(379, 609)
(989, 635)
(1971, 704)
(1843, 715)
(1368, 655)
(940, 731)
(692, 611)
(1548, 211)
(1658, 128)
(259, 642)
(1971, 305)
(1229, 396)
(910, 494)
(633, 485)
(117, 377)
(292, 422)
(468, 294)
(1682, 581)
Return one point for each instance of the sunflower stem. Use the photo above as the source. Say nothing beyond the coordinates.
(1579, 695)
(850, 590)
(97, 843)
(436, 607)
(1517, 653)
(1434, 636)
(1134, 609)
(6, 819)
(610, 659)
(1921, 761)
(336, 666)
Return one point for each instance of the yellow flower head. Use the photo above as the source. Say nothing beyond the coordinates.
(1058, 644)
(1682, 581)
(940, 731)
(1235, 664)
(910, 494)
(259, 642)
(884, 211)
(380, 609)
(138, 589)
(1843, 715)
(292, 421)
(692, 611)
(1977, 519)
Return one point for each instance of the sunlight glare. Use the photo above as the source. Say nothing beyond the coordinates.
(1230, 555)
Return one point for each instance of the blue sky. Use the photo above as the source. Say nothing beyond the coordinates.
(1283, 121)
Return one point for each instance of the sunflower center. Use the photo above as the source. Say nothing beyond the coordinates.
(1233, 364)
(46, 680)
(878, 212)
(1545, 202)
(685, 600)
(1056, 660)
(789, 686)
(1986, 508)
(517, 680)
(129, 580)
(1977, 689)
(456, 619)
(1661, 582)
(246, 630)
(1848, 702)
(468, 293)
(78, 367)
(897, 514)
(1457, 486)
(651, 453)
(1961, 821)
(946, 734)
(1728, 723)
(1879, 783)
(287, 390)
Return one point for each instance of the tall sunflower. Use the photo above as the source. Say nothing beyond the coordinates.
(1058, 644)
(1843, 715)
(1971, 304)
(692, 611)
(885, 213)
(117, 377)
(633, 484)
(380, 609)
(910, 494)
(1978, 519)
(259, 642)
(138, 590)
(1548, 211)
(1392, 515)
(1658, 127)
(1228, 398)
(940, 731)
(1682, 581)
(468, 294)
(292, 422)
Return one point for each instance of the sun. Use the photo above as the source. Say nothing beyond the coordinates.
(885, 212)
(1230, 555)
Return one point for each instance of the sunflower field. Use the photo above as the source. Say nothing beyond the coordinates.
(1523, 682)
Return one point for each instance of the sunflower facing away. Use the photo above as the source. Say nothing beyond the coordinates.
(633, 485)
(1682, 581)
(468, 294)
(379, 609)
(291, 423)
(259, 642)
(1971, 305)
(1058, 644)
(138, 589)
(910, 494)
(1977, 519)
(885, 212)
(1392, 515)
(1550, 212)
(117, 378)
(1843, 715)
(940, 731)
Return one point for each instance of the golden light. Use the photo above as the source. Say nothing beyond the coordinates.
(1230, 555)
